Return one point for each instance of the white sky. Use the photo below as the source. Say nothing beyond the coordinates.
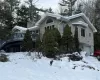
(46, 4)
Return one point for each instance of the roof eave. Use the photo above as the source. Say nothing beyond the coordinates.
(90, 24)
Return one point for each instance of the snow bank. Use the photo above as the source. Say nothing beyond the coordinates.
(23, 67)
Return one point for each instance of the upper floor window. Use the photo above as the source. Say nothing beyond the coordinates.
(82, 32)
(50, 27)
(49, 21)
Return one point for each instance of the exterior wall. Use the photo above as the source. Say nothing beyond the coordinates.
(87, 39)
(57, 24)
(87, 42)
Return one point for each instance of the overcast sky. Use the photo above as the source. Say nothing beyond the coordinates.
(47, 4)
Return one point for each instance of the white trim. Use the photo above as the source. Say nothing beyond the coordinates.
(81, 23)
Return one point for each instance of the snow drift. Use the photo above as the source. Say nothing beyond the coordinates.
(23, 67)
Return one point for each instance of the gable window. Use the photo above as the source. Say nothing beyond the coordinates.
(82, 32)
(49, 21)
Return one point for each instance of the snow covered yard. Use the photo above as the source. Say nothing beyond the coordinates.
(23, 67)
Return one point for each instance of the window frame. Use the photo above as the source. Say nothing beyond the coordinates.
(83, 32)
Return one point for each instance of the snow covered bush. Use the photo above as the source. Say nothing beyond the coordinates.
(3, 58)
(75, 56)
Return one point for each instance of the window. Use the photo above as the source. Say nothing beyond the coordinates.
(83, 32)
(49, 21)
(49, 27)
(52, 26)
(37, 31)
(45, 28)
(89, 34)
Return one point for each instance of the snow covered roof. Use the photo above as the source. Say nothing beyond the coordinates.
(85, 18)
(68, 18)
(80, 23)
(57, 16)
(22, 29)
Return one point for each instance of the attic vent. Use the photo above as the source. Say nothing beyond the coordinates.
(49, 21)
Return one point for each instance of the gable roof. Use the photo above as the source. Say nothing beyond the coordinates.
(81, 23)
(85, 18)
(68, 18)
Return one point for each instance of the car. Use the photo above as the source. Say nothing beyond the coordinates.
(97, 54)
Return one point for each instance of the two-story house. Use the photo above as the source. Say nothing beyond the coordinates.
(50, 20)
(85, 28)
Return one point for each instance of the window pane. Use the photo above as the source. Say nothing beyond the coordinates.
(52, 26)
(89, 34)
(83, 32)
(36, 31)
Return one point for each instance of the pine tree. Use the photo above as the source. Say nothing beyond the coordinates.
(50, 47)
(5, 20)
(13, 4)
(67, 39)
(76, 40)
(27, 43)
(97, 25)
(56, 35)
(22, 16)
(5, 15)
(5, 33)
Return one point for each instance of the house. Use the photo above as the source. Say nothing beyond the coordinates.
(85, 28)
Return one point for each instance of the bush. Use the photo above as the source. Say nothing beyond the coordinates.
(3, 58)
(49, 45)
(75, 57)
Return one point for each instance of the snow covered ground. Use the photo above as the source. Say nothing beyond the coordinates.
(23, 67)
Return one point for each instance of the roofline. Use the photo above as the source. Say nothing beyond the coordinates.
(22, 29)
(49, 15)
(59, 17)
(85, 18)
